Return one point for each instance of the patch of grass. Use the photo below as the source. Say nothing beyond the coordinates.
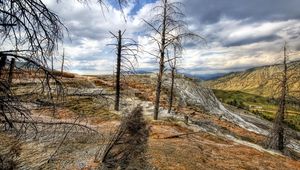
(259, 105)
(91, 107)
(293, 121)
(264, 114)
(78, 83)
(229, 96)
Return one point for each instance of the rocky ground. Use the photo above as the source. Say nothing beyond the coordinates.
(214, 137)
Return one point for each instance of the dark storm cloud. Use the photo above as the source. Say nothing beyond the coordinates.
(298, 47)
(211, 11)
(250, 40)
(216, 19)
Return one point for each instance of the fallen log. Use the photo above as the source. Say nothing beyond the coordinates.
(179, 135)
(50, 123)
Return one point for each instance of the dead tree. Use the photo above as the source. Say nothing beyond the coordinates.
(118, 73)
(2, 63)
(279, 119)
(52, 63)
(173, 73)
(277, 137)
(168, 26)
(126, 50)
(62, 64)
(173, 67)
(11, 71)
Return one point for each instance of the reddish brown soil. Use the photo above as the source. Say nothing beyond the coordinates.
(205, 151)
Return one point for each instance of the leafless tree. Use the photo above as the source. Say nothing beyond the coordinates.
(11, 71)
(126, 50)
(62, 64)
(278, 129)
(168, 27)
(282, 81)
(173, 67)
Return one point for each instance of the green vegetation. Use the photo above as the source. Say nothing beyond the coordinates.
(230, 96)
(239, 104)
(258, 105)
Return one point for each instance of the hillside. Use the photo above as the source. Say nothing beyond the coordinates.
(258, 81)
(256, 90)
(213, 137)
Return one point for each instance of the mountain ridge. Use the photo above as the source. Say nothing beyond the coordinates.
(257, 80)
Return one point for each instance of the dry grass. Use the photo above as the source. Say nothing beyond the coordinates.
(9, 152)
(99, 109)
(64, 74)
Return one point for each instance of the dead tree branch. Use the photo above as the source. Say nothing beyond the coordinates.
(170, 29)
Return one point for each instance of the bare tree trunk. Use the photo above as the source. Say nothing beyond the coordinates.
(118, 74)
(11, 71)
(2, 63)
(158, 86)
(62, 63)
(2, 112)
(277, 136)
(161, 63)
(52, 63)
(171, 90)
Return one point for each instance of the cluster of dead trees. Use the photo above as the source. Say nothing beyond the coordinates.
(29, 33)
(34, 32)
(168, 30)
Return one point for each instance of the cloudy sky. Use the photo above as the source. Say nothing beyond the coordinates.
(240, 34)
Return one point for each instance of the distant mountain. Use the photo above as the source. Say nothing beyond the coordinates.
(212, 76)
(205, 77)
(200, 77)
(143, 72)
(259, 80)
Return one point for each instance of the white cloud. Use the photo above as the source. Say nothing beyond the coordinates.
(232, 43)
